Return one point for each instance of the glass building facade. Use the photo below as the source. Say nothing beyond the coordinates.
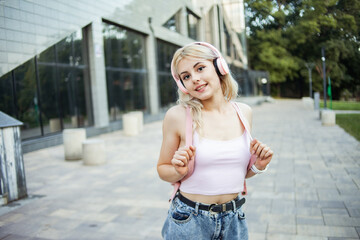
(51, 91)
(167, 86)
(126, 74)
(52, 78)
(193, 25)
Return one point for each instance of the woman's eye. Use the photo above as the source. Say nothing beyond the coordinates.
(185, 77)
(201, 68)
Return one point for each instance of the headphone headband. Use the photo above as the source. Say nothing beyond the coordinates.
(220, 65)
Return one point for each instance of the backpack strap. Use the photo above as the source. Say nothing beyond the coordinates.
(188, 142)
(245, 123)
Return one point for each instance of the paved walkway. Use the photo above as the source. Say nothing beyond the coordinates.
(311, 190)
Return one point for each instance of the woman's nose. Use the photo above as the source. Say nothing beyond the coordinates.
(196, 77)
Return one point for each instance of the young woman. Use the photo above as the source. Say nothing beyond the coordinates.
(208, 202)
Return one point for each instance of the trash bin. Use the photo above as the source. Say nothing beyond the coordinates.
(12, 174)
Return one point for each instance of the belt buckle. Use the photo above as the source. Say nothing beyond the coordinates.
(223, 208)
(211, 207)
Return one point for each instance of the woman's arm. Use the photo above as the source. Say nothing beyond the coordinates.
(172, 164)
(263, 153)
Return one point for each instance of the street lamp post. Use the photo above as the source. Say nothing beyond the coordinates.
(324, 74)
(310, 66)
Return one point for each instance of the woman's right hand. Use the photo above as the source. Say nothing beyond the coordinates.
(181, 158)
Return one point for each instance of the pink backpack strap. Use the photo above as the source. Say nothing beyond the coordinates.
(246, 126)
(188, 142)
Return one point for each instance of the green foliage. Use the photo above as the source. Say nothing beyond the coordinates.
(284, 35)
(343, 105)
(350, 123)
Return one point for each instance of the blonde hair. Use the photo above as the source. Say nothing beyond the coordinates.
(229, 86)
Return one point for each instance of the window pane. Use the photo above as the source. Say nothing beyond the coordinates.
(64, 48)
(49, 99)
(192, 25)
(168, 88)
(27, 100)
(125, 70)
(47, 56)
(78, 56)
(115, 96)
(67, 91)
(227, 40)
(6, 95)
(83, 101)
(171, 24)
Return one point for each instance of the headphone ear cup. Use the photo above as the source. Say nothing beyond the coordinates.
(222, 66)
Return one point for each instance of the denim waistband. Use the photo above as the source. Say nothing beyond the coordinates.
(214, 208)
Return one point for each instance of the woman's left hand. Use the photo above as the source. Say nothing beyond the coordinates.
(263, 154)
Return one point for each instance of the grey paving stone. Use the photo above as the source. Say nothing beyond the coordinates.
(341, 238)
(358, 230)
(336, 220)
(335, 211)
(331, 204)
(327, 231)
(309, 220)
(277, 236)
(312, 181)
(354, 212)
(15, 237)
(283, 228)
(308, 211)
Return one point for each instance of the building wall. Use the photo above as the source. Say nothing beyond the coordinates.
(29, 27)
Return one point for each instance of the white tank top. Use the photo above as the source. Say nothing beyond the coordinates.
(220, 166)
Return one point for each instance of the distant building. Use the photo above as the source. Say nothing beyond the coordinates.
(66, 64)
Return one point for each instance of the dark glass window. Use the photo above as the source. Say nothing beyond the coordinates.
(64, 85)
(193, 24)
(7, 104)
(240, 76)
(235, 53)
(227, 40)
(49, 99)
(173, 23)
(168, 88)
(51, 91)
(27, 100)
(125, 70)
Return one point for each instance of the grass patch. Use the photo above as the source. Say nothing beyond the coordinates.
(350, 123)
(341, 105)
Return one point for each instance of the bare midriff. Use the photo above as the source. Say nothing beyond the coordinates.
(210, 199)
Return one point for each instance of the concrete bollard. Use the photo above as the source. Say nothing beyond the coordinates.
(140, 119)
(308, 103)
(94, 152)
(74, 121)
(317, 100)
(328, 117)
(54, 124)
(73, 139)
(130, 124)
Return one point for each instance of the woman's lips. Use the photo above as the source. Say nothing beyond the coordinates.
(201, 88)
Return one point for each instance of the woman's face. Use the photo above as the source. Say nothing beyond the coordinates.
(199, 77)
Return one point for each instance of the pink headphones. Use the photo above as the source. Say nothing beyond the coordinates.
(220, 65)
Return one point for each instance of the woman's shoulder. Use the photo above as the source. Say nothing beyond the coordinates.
(245, 109)
(247, 113)
(175, 115)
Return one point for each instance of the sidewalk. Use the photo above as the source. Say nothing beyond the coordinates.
(311, 190)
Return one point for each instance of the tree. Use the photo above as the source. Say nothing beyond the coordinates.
(283, 35)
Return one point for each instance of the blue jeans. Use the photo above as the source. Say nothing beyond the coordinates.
(185, 222)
